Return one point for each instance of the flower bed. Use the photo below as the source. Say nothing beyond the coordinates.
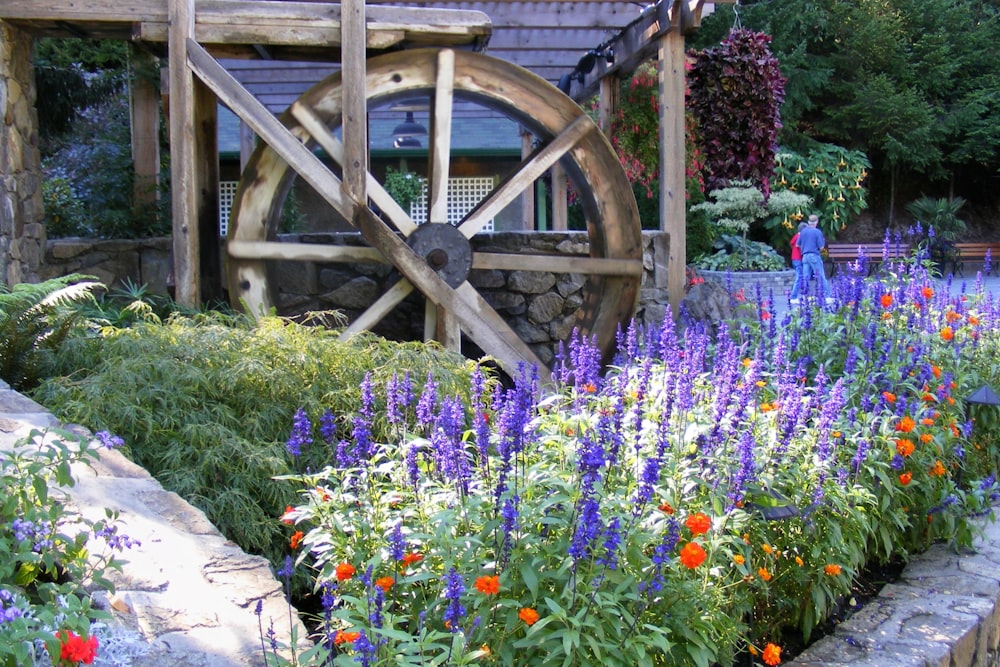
(694, 503)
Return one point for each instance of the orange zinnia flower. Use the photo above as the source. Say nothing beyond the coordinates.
(285, 518)
(973, 320)
(767, 548)
(936, 370)
(344, 571)
(937, 469)
(488, 584)
(739, 559)
(832, 569)
(385, 583)
(928, 292)
(927, 421)
(692, 555)
(904, 447)
(947, 333)
(772, 655)
(528, 615)
(889, 396)
(764, 574)
(411, 558)
(906, 424)
(345, 637)
(666, 508)
(296, 539)
(926, 437)
(886, 300)
(698, 523)
(906, 478)
(952, 316)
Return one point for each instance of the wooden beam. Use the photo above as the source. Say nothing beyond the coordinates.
(183, 175)
(672, 161)
(145, 131)
(528, 196)
(354, 102)
(609, 102)
(206, 169)
(560, 198)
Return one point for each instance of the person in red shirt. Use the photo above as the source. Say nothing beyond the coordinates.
(796, 263)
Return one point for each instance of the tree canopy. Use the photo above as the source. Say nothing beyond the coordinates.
(915, 84)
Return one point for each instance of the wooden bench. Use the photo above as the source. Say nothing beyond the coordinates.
(841, 254)
(972, 256)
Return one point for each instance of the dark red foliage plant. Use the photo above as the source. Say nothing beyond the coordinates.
(736, 91)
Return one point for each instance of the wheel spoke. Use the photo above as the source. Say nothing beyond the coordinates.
(525, 176)
(603, 266)
(315, 126)
(303, 252)
(382, 307)
(440, 137)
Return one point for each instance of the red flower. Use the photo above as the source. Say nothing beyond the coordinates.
(528, 615)
(947, 333)
(344, 571)
(906, 424)
(285, 518)
(889, 396)
(488, 584)
(75, 648)
(906, 478)
(904, 447)
(411, 558)
(385, 583)
(692, 555)
(886, 300)
(345, 637)
(296, 539)
(772, 655)
(698, 523)
(928, 292)
(666, 508)
(832, 569)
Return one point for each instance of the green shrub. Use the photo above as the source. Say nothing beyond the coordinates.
(204, 402)
(734, 254)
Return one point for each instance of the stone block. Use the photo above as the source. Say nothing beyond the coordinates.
(545, 307)
(530, 282)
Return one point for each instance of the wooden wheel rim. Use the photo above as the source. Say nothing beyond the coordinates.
(613, 227)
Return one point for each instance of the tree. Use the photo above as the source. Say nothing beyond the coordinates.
(912, 83)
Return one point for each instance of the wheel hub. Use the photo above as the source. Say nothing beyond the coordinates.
(445, 249)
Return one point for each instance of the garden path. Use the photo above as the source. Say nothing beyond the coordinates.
(186, 590)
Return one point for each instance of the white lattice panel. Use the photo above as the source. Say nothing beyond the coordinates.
(463, 195)
(227, 190)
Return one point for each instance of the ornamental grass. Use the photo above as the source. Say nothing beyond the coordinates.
(686, 506)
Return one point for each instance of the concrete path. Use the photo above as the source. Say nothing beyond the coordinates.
(187, 591)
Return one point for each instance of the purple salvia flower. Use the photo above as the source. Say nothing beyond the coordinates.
(860, 454)
(328, 427)
(454, 587)
(412, 464)
(301, 433)
(427, 402)
(745, 472)
(397, 543)
(109, 441)
(364, 649)
(587, 530)
(612, 541)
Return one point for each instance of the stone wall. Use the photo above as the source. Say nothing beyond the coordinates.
(22, 231)
(540, 307)
(776, 283)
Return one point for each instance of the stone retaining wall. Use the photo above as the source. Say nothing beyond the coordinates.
(540, 306)
(778, 283)
(22, 231)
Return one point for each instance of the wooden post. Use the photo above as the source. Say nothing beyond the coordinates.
(355, 124)
(528, 196)
(609, 102)
(206, 162)
(145, 132)
(248, 142)
(560, 194)
(672, 158)
(182, 157)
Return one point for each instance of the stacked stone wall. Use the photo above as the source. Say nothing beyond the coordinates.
(22, 231)
(540, 306)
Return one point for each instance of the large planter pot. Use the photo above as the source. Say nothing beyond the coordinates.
(772, 283)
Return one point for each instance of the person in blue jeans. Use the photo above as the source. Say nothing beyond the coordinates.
(811, 241)
(797, 262)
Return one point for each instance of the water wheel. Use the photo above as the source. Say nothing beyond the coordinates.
(436, 257)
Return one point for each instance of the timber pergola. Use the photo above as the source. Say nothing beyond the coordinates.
(552, 39)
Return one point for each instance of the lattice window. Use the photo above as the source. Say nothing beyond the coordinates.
(463, 195)
(227, 190)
